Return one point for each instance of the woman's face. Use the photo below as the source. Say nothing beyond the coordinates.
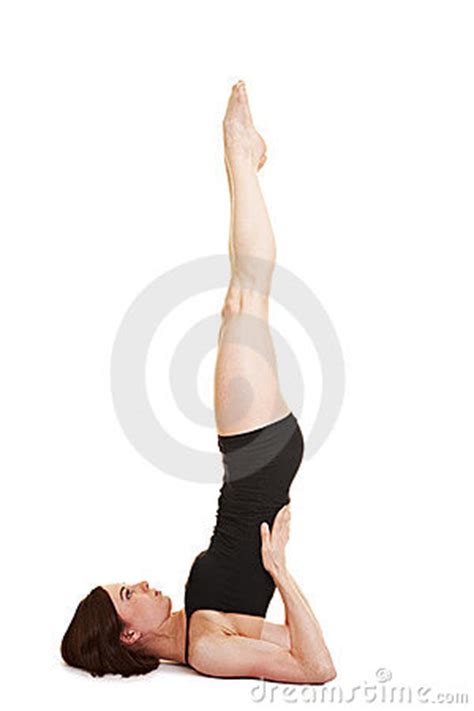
(142, 609)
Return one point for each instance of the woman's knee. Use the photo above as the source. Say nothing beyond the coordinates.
(245, 301)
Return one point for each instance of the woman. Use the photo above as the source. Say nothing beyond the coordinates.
(222, 631)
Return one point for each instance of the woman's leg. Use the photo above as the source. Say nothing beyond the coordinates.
(246, 387)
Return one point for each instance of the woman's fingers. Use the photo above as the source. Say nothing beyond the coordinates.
(284, 512)
(267, 548)
(265, 533)
(282, 518)
(280, 530)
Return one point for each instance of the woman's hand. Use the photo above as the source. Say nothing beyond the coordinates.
(274, 542)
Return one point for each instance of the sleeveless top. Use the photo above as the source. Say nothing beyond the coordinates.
(259, 467)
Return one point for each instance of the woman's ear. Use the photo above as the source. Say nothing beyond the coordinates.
(129, 637)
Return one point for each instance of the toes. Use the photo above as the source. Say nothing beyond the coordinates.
(240, 88)
(240, 93)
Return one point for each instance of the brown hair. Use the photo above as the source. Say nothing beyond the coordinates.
(92, 640)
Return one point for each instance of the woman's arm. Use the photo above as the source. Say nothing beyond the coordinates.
(259, 628)
(215, 654)
(307, 660)
(306, 638)
(307, 643)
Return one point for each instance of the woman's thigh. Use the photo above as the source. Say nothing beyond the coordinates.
(246, 385)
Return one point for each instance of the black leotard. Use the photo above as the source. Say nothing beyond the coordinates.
(259, 467)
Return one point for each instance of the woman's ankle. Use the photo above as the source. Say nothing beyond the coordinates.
(240, 164)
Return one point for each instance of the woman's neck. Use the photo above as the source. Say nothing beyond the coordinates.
(168, 643)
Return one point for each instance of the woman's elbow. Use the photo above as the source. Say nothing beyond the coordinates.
(321, 674)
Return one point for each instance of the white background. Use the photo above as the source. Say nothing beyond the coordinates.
(112, 174)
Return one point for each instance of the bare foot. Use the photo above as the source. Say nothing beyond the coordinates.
(241, 139)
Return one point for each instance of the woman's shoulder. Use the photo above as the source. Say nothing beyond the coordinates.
(205, 623)
(237, 644)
